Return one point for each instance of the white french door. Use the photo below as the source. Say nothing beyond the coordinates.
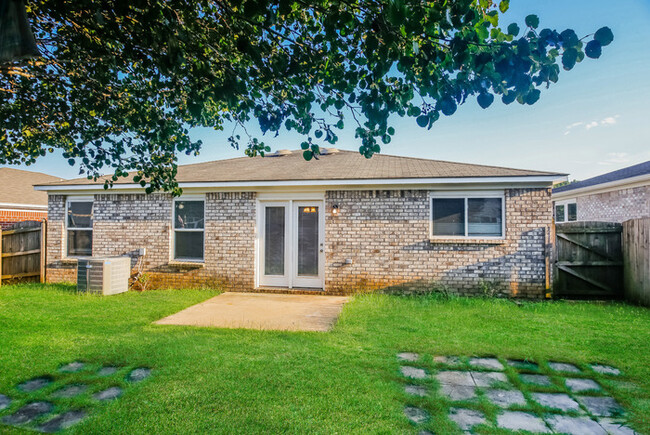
(291, 244)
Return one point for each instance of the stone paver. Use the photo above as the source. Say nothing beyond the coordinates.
(139, 374)
(108, 394)
(523, 364)
(466, 419)
(458, 392)
(415, 390)
(559, 401)
(488, 379)
(62, 421)
(605, 370)
(416, 415)
(563, 367)
(602, 406)
(456, 378)
(505, 398)
(107, 371)
(517, 420)
(70, 391)
(72, 367)
(28, 413)
(616, 428)
(541, 380)
(449, 360)
(4, 402)
(574, 425)
(35, 384)
(413, 372)
(408, 356)
(486, 363)
(580, 385)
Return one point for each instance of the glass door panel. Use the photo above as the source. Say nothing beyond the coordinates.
(308, 241)
(274, 240)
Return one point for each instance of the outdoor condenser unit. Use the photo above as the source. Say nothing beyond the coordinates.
(103, 275)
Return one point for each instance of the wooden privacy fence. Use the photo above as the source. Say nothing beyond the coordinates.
(23, 251)
(588, 260)
(636, 258)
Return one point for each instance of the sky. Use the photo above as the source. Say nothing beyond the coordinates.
(596, 119)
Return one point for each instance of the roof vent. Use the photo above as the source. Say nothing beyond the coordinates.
(280, 153)
(326, 151)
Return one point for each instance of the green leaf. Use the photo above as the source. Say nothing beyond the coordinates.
(307, 155)
(504, 5)
(391, 131)
(532, 97)
(593, 49)
(422, 120)
(513, 29)
(569, 58)
(304, 145)
(532, 21)
(447, 106)
(318, 134)
(604, 36)
(485, 100)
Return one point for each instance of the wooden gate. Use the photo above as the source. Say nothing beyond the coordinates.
(588, 260)
(23, 252)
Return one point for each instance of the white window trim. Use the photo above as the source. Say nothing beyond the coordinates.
(565, 203)
(467, 194)
(68, 200)
(172, 253)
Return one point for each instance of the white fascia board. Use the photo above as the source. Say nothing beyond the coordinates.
(626, 183)
(5, 205)
(541, 180)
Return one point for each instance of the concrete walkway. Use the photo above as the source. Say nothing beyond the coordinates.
(262, 311)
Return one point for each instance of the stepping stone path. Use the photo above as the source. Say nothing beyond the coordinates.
(486, 363)
(488, 379)
(28, 413)
(540, 380)
(458, 392)
(563, 367)
(466, 419)
(107, 371)
(456, 378)
(139, 374)
(416, 415)
(413, 372)
(558, 401)
(580, 385)
(72, 367)
(35, 384)
(4, 402)
(616, 428)
(448, 360)
(506, 398)
(108, 394)
(415, 390)
(574, 425)
(605, 370)
(601, 406)
(70, 391)
(523, 364)
(408, 356)
(517, 420)
(62, 421)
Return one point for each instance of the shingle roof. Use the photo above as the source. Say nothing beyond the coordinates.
(17, 186)
(621, 174)
(340, 165)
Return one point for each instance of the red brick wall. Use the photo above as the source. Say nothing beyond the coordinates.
(10, 217)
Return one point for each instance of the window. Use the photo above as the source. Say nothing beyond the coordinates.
(80, 227)
(559, 213)
(467, 216)
(566, 211)
(572, 212)
(189, 226)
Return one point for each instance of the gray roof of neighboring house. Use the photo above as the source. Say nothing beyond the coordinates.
(337, 165)
(621, 174)
(17, 186)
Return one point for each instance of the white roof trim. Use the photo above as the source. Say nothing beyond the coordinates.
(27, 206)
(625, 183)
(357, 182)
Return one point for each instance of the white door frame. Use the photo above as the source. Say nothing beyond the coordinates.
(291, 202)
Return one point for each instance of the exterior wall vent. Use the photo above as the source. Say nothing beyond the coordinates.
(103, 275)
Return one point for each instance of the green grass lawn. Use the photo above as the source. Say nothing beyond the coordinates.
(243, 381)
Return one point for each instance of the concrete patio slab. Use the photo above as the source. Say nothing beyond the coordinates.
(262, 311)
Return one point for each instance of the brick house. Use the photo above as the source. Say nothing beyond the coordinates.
(613, 197)
(18, 200)
(339, 224)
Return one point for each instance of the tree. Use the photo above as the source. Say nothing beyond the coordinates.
(120, 84)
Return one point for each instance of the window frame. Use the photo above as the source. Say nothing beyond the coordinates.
(565, 203)
(466, 195)
(172, 254)
(69, 200)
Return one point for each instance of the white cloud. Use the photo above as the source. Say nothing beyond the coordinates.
(610, 120)
(615, 159)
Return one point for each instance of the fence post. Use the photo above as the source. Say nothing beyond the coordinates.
(43, 249)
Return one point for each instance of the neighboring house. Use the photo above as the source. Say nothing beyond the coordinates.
(340, 224)
(18, 199)
(613, 197)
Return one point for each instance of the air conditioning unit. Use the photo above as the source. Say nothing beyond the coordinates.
(103, 275)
